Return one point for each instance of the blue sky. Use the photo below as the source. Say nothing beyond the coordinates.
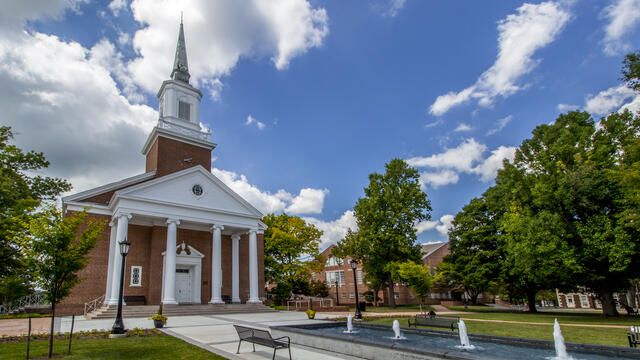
(306, 98)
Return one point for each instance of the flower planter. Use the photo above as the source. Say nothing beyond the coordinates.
(158, 324)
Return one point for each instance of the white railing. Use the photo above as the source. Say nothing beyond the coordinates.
(27, 301)
(321, 301)
(93, 305)
(202, 134)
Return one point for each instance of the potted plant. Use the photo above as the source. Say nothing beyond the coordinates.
(159, 320)
(311, 314)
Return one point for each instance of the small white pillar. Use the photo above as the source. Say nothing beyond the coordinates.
(169, 296)
(216, 265)
(113, 250)
(235, 268)
(121, 235)
(253, 269)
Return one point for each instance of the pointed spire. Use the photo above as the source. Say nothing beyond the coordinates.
(180, 67)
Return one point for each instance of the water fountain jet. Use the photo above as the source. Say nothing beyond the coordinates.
(558, 340)
(349, 324)
(396, 329)
(464, 338)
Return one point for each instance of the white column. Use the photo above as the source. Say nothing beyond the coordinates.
(169, 296)
(121, 235)
(235, 268)
(113, 250)
(216, 265)
(253, 269)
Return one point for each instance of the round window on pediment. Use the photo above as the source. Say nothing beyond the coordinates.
(197, 190)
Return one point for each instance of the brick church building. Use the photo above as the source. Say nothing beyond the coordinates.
(193, 239)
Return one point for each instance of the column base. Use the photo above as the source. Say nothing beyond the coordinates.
(169, 302)
(236, 301)
(254, 301)
(216, 301)
(114, 302)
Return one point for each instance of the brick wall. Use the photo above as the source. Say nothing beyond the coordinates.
(167, 156)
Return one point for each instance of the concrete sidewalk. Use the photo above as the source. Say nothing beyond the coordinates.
(215, 333)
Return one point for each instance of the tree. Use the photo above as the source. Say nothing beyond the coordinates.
(474, 259)
(417, 276)
(319, 289)
(565, 183)
(386, 215)
(631, 70)
(291, 250)
(21, 193)
(57, 249)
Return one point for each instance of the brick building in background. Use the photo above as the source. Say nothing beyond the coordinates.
(188, 230)
(337, 269)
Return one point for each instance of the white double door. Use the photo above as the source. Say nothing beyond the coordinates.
(184, 286)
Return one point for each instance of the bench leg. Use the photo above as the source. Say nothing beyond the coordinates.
(238, 351)
(274, 354)
(289, 352)
(254, 347)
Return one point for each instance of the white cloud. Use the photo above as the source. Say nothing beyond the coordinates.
(623, 15)
(501, 123)
(437, 179)
(567, 107)
(334, 231)
(459, 158)
(463, 127)
(252, 120)
(445, 224)
(533, 27)
(433, 123)
(633, 105)
(15, 13)
(608, 100)
(394, 7)
(220, 33)
(488, 168)
(465, 158)
(425, 226)
(309, 201)
(116, 5)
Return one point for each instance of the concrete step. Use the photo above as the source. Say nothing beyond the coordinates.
(110, 312)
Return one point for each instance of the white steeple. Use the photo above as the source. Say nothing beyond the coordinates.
(179, 105)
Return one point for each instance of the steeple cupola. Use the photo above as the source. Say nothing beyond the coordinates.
(178, 141)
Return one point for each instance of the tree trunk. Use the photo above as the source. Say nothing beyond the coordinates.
(608, 304)
(474, 298)
(53, 316)
(392, 299)
(531, 299)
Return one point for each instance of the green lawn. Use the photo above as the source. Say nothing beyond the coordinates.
(566, 317)
(399, 308)
(589, 335)
(153, 347)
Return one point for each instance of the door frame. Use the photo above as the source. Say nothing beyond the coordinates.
(190, 258)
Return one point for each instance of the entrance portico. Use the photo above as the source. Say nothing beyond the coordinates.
(155, 204)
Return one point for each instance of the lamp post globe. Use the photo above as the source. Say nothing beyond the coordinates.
(118, 325)
(354, 267)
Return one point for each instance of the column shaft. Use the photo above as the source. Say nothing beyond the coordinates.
(235, 269)
(253, 269)
(216, 265)
(169, 296)
(113, 251)
(121, 235)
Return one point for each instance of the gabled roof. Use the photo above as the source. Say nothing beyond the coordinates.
(175, 188)
(429, 248)
(120, 184)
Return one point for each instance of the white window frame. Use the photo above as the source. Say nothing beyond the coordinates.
(139, 268)
(187, 106)
(359, 275)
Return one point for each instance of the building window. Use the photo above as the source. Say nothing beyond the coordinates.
(584, 300)
(136, 276)
(313, 277)
(570, 301)
(396, 296)
(341, 278)
(344, 295)
(411, 296)
(334, 261)
(359, 276)
(351, 296)
(184, 110)
(332, 276)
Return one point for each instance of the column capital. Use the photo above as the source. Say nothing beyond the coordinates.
(235, 237)
(173, 221)
(217, 227)
(113, 222)
(255, 231)
(123, 214)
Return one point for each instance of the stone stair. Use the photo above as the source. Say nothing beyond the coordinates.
(133, 311)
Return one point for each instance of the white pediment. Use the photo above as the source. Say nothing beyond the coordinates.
(191, 188)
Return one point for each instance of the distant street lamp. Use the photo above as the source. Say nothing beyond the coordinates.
(354, 266)
(118, 326)
(337, 298)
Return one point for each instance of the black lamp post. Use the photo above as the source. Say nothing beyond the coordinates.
(337, 298)
(354, 265)
(118, 326)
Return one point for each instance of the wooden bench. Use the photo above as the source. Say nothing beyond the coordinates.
(435, 321)
(134, 300)
(261, 337)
